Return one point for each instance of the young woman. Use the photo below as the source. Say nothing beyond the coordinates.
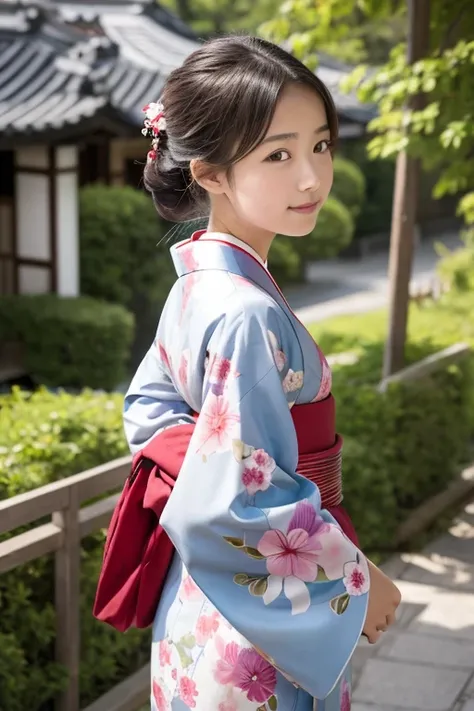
(266, 597)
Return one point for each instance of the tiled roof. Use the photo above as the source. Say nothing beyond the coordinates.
(70, 62)
(68, 66)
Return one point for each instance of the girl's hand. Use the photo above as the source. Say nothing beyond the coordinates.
(384, 598)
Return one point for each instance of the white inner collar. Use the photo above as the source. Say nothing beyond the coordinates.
(224, 237)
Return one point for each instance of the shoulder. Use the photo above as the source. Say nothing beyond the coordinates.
(251, 319)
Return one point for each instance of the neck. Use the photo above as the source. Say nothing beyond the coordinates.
(259, 240)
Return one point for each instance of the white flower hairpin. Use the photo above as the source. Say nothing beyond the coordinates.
(155, 124)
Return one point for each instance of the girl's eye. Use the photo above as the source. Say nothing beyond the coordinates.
(322, 146)
(278, 157)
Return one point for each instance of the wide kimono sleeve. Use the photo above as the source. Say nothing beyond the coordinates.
(152, 402)
(250, 531)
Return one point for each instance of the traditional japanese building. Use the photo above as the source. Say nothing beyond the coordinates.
(74, 77)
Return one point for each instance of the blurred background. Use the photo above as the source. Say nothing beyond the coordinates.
(385, 283)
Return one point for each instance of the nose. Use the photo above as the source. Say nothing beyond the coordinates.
(309, 180)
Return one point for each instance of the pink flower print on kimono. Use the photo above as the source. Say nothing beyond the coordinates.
(216, 425)
(206, 627)
(255, 676)
(246, 670)
(190, 262)
(160, 696)
(228, 653)
(258, 467)
(163, 355)
(219, 370)
(345, 699)
(310, 551)
(293, 558)
(278, 355)
(165, 650)
(188, 691)
(326, 377)
(183, 370)
(189, 591)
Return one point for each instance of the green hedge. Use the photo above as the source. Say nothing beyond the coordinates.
(333, 232)
(349, 185)
(379, 176)
(400, 448)
(45, 437)
(124, 255)
(69, 342)
(403, 446)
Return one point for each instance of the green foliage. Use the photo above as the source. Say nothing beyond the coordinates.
(440, 130)
(214, 17)
(456, 268)
(120, 260)
(388, 469)
(376, 212)
(45, 437)
(349, 185)
(69, 342)
(284, 260)
(333, 232)
(353, 31)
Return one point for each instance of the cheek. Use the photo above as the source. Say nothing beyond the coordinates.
(327, 176)
(256, 188)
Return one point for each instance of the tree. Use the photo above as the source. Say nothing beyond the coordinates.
(441, 131)
(213, 17)
(438, 127)
(352, 31)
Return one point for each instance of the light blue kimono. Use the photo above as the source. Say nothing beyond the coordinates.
(259, 565)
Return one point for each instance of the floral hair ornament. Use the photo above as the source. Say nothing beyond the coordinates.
(154, 123)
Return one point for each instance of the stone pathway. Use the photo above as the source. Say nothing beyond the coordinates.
(354, 286)
(426, 662)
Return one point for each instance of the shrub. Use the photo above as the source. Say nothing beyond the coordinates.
(456, 268)
(403, 446)
(44, 437)
(121, 260)
(349, 185)
(376, 213)
(284, 260)
(333, 232)
(69, 342)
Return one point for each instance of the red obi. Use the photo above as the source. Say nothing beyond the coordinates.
(138, 552)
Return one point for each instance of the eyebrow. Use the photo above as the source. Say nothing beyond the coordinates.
(288, 136)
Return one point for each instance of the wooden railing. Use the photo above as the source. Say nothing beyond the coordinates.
(70, 521)
(61, 535)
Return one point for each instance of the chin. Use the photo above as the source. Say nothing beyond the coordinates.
(303, 229)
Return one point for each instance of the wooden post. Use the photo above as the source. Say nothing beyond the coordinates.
(405, 201)
(67, 601)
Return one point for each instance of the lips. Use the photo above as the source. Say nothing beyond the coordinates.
(307, 208)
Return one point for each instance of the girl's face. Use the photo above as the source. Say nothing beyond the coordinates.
(281, 186)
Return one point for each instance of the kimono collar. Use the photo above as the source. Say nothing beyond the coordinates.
(229, 239)
(185, 254)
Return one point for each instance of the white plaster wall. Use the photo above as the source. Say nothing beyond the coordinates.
(32, 157)
(33, 223)
(33, 280)
(67, 223)
(66, 157)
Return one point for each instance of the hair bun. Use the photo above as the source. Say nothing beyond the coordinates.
(176, 196)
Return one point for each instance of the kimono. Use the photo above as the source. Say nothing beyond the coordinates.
(266, 598)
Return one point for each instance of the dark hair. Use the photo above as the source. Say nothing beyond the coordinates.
(218, 107)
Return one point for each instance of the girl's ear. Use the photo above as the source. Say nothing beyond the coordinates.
(211, 179)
